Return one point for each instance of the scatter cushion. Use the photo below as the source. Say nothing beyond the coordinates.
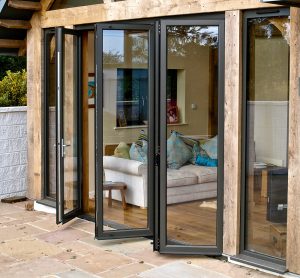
(206, 161)
(138, 153)
(142, 139)
(122, 151)
(197, 151)
(177, 152)
(211, 147)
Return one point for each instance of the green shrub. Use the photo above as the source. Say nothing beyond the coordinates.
(13, 89)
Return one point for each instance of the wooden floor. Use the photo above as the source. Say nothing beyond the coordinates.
(183, 221)
(191, 224)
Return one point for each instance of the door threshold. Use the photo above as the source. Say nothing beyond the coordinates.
(258, 264)
(44, 207)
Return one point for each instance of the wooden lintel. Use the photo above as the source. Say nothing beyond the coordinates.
(11, 43)
(15, 24)
(25, 5)
(133, 9)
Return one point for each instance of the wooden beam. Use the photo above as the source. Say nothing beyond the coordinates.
(11, 43)
(46, 5)
(23, 48)
(232, 131)
(293, 212)
(15, 24)
(134, 9)
(34, 109)
(25, 5)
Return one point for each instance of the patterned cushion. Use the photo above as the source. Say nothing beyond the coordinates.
(211, 147)
(197, 151)
(177, 152)
(142, 138)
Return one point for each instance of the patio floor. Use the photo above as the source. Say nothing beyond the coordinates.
(32, 245)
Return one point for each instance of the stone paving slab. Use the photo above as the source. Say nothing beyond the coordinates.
(181, 269)
(32, 245)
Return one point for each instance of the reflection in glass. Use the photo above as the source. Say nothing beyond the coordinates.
(192, 134)
(267, 134)
(125, 128)
(51, 110)
(70, 124)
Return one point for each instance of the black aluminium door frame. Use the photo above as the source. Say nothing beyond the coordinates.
(124, 233)
(60, 33)
(248, 15)
(164, 247)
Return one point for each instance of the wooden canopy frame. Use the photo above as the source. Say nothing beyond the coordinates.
(138, 9)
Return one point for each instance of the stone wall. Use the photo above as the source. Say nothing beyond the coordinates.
(13, 151)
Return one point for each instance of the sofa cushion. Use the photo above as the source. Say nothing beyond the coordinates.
(139, 153)
(177, 151)
(122, 150)
(127, 166)
(211, 147)
(204, 174)
(180, 178)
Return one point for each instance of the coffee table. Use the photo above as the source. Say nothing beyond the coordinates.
(109, 186)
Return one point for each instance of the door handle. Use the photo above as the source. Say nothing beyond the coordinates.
(63, 146)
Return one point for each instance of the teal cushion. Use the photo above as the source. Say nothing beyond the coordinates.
(206, 161)
(139, 153)
(211, 147)
(177, 152)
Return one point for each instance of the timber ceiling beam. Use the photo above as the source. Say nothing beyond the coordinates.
(11, 43)
(135, 9)
(46, 4)
(25, 5)
(15, 24)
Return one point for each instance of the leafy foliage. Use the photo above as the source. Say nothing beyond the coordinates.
(12, 63)
(13, 89)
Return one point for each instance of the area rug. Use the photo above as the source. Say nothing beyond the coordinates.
(209, 204)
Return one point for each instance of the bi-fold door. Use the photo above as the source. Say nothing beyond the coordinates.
(124, 112)
(169, 196)
(68, 124)
(159, 95)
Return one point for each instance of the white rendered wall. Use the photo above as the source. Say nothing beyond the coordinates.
(270, 131)
(13, 151)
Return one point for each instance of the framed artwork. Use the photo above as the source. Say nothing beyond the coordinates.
(172, 115)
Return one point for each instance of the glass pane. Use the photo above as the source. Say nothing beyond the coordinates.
(192, 134)
(125, 127)
(51, 110)
(70, 132)
(267, 135)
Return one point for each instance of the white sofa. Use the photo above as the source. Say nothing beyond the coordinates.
(189, 183)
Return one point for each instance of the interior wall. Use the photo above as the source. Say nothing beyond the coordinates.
(271, 70)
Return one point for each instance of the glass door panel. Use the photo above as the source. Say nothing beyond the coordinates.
(191, 166)
(124, 126)
(68, 124)
(266, 140)
(50, 120)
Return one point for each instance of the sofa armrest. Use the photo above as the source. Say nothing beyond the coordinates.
(127, 166)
